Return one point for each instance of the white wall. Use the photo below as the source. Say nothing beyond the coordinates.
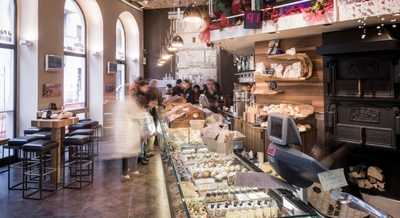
(195, 61)
(94, 22)
(27, 63)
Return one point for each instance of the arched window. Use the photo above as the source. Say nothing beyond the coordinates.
(7, 67)
(120, 50)
(120, 56)
(74, 56)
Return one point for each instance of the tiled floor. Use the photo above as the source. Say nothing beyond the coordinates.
(144, 196)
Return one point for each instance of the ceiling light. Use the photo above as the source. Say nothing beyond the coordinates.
(193, 17)
(166, 56)
(177, 41)
(172, 48)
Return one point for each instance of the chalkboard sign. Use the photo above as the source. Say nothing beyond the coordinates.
(253, 19)
(54, 63)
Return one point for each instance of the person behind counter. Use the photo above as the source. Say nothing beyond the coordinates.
(196, 94)
(213, 95)
(153, 87)
(187, 90)
(168, 90)
(178, 89)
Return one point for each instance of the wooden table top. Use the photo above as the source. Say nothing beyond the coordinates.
(3, 141)
(54, 123)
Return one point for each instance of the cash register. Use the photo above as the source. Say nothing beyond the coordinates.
(301, 170)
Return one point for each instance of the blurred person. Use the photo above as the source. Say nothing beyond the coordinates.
(153, 87)
(168, 91)
(212, 95)
(150, 122)
(204, 88)
(196, 94)
(178, 90)
(127, 118)
(141, 95)
(155, 101)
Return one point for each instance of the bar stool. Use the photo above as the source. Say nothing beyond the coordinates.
(16, 144)
(88, 124)
(33, 130)
(79, 161)
(36, 151)
(87, 132)
(3, 142)
(45, 135)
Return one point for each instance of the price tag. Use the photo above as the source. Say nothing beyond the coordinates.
(332, 179)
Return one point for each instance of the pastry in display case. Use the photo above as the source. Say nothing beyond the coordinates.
(209, 181)
(206, 181)
(299, 111)
(173, 101)
(181, 115)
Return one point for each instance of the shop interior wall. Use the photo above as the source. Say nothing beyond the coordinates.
(226, 73)
(111, 10)
(27, 69)
(50, 29)
(310, 91)
(156, 25)
(50, 41)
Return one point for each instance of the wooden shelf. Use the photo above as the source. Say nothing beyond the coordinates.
(301, 57)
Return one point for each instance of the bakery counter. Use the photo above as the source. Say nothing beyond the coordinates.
(205, 186)
(257, 139)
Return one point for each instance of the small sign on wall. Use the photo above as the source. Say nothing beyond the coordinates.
(54, 63)
(112, 67)
(50, 90)
(253, 19)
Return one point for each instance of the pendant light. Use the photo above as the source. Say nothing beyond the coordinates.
(171, 48)
(192, 16)
(177, 41)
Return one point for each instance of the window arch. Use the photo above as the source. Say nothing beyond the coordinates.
(120, 56)
(74, 56)
(120, 44)
(7, 67)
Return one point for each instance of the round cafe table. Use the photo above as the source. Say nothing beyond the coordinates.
(57, 127)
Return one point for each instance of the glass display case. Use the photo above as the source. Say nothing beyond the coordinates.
(205, 183)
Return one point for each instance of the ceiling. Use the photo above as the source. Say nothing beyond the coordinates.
(155, 4)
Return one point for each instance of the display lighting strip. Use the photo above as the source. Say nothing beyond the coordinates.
(267, 9)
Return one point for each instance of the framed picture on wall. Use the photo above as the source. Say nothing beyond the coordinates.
(51, 90)
(112, 67)
(54, 63)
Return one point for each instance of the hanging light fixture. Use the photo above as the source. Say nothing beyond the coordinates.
(160, 62)
(166, 56)
(171, 48)
(177, 41)
(193, 16)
